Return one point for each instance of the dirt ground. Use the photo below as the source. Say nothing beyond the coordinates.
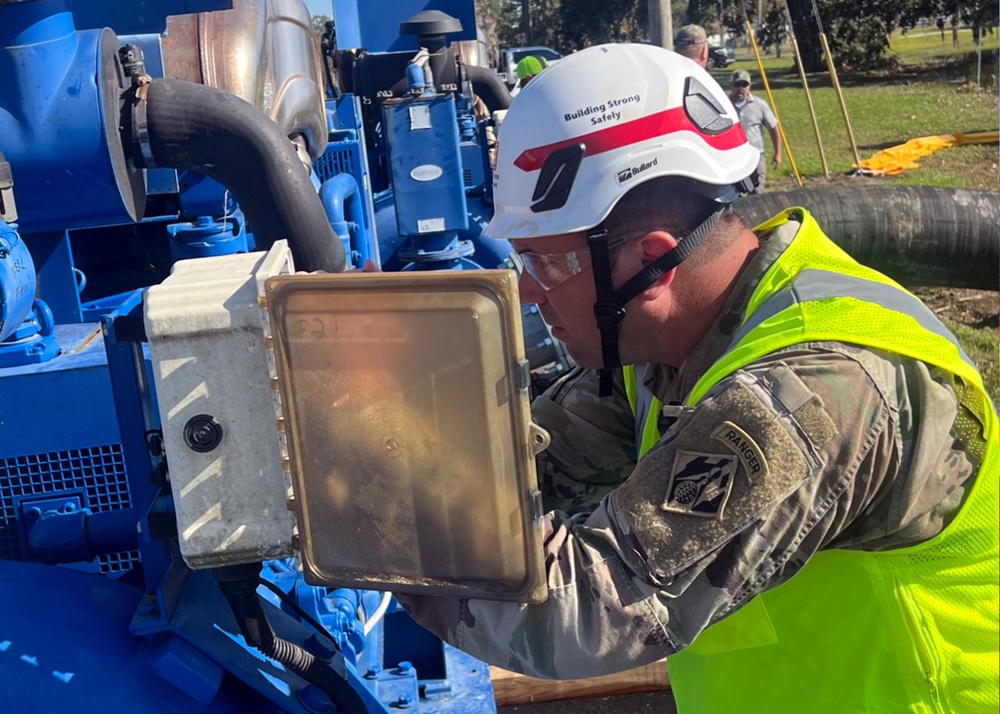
(978, 309)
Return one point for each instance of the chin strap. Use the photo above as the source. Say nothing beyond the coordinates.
(609, 310)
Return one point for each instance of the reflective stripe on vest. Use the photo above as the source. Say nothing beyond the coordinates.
(913, 629)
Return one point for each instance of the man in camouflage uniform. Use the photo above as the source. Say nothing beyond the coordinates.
(867, 473)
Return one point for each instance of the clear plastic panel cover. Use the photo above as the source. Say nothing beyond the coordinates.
(407, 428)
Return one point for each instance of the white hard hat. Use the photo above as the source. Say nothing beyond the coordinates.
(601, 121)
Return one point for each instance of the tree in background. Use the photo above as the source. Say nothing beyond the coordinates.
(773, 28)
(592, 22)
(977, 14)
(319, 24)
(547, 17)
(719, 17)
(858, 30)
(500, 21)
(563, 25)
(505, 24)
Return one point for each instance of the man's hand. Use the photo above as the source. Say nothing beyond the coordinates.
(776, 143)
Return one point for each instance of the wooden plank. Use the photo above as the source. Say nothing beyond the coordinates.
(510, 688)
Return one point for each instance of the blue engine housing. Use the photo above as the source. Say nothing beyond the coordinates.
(101, 613)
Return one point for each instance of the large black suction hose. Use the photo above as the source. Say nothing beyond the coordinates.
(489, 87)
(919, 235)
(238, 584)
(192, 126)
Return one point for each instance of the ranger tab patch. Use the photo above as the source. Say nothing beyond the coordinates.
(700, 484)
(751, 456)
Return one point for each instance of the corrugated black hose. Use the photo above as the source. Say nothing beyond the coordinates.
(238, 584)
(920, 235)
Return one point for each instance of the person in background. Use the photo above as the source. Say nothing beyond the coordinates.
(755, 113)
(773, 465)
(528, 68)
(692, 42)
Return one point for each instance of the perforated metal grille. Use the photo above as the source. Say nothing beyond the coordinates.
(96, 474)
(341, 157)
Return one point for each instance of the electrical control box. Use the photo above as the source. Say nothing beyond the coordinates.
(410, 445)
(375, 424)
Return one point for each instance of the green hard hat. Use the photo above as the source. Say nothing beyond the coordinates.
(530, 66)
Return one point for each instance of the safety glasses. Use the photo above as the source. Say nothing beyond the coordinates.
(550, 270)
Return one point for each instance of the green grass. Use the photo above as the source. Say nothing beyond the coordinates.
(981, 346)
(884, 114)
(928, 93)
(924, 46)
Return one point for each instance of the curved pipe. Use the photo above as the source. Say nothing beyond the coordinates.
(191, 126)
(81, 536)
(18, 280)
(932, 235)
(341, 199)
(487, 85)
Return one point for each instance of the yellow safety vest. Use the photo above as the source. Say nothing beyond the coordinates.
(908, 630)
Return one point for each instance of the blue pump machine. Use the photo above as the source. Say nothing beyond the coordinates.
(113, 166)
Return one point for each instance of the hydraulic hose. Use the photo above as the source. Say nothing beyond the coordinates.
(238, 584)
(184, 125)
(487, 85)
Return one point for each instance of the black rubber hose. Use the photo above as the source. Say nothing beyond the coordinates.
(192, 126)
(488, 86)
(238, 584)
(923, 235)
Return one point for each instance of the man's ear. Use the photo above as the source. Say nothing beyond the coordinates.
(653, 245)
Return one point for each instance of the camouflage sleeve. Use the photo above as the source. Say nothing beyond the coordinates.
(593, 442)
(769, 468)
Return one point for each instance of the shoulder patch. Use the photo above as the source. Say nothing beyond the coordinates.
(745, 448)
(681, 478)
(700, 484)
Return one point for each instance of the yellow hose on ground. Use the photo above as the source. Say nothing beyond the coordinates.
(896, 159)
